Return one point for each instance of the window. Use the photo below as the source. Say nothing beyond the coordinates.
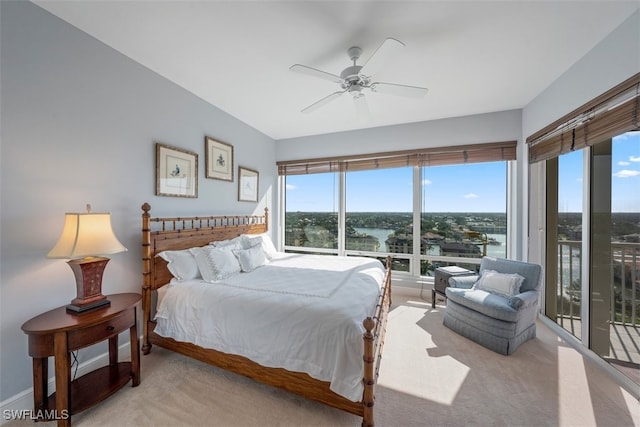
(379, 213)
(463, 213)
(382, 204)
(311, 212)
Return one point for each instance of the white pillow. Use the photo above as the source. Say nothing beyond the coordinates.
(251, 258)
(235, 243)
(263, 239)
(182, 265)
(503, 284)
(215, 264)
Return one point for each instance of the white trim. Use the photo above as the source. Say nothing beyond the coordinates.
(342, 213)
(282, 191)
(585, 250)
(414, 266)
(24, 400)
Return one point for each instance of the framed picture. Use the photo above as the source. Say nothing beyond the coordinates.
(247, 185)
(219, 159)
(176, 172)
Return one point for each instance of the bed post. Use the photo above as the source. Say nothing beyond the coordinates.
(146, 277)
(369, 373)
(266, 219)
(374, 330)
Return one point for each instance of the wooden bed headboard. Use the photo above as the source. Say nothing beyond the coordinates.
(176, 233)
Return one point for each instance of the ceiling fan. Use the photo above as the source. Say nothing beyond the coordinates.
(356, 78)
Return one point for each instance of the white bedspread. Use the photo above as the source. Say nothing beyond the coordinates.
(302, 313)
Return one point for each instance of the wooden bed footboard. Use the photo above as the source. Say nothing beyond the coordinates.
(185, 232)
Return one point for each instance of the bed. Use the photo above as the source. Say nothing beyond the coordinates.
(160, 291)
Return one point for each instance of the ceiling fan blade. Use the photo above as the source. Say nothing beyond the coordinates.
(383, 54)
(303, 69)
(324, 101)
(400, 90)
(362, 107)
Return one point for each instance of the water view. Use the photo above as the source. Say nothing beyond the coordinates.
(496, 243)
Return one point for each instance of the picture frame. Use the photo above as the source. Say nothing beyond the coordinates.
(248, 184)
(176, 172)
(218, 159)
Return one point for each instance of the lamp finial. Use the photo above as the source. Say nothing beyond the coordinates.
(88, 207)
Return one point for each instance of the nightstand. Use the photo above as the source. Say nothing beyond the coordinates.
(441, 280)
(57, 333)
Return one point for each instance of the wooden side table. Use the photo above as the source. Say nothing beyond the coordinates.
(56, 333)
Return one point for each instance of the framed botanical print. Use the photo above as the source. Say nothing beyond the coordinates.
(247, 185)
(219, 159)
(176, 172)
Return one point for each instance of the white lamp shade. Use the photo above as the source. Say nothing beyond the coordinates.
(86, 235)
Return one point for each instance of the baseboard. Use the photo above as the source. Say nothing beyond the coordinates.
(19, 404)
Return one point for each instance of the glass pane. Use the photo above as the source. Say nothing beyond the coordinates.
(464, 212)
(311, 211)
(570, 242)
(616, 297)
(379, 218)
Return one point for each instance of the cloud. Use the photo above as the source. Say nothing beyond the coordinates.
(628, 135)
(626, 173)
(291, 187)
(426, 181)
(634, 159)
(621, 163)
(470, 196)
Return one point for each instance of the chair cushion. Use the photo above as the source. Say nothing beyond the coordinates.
(492, 305)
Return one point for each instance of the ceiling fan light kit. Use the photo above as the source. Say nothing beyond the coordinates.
(355, 78)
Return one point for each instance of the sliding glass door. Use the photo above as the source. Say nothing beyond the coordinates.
(593, 241)
(565, 216)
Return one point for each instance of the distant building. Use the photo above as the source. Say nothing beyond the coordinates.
(433, 238)
(459, 249)
(404, 245)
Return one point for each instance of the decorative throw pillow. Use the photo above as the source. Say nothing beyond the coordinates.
(251, 258)
(181, 264)
(216, 264)
(503, 284)
(264, 240)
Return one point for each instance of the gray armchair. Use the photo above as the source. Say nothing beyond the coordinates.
(497, 319)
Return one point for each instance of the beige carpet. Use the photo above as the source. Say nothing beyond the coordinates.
(429, 376)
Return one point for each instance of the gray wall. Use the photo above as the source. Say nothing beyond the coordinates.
(492, 127)
(79, 122)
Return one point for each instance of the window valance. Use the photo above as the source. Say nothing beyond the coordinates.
(421, 157)
(612, 113)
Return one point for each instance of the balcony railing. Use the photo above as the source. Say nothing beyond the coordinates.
(624, 283)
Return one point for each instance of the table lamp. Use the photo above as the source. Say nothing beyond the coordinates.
(85, 238)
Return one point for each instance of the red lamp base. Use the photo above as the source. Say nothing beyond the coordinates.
(88, 272)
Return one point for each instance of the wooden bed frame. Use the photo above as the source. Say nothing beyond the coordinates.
(161, 234)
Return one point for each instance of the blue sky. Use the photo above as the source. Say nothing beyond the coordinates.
(478, 187)
(625, 180)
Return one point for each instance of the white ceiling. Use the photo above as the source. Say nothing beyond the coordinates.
(474, 56)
